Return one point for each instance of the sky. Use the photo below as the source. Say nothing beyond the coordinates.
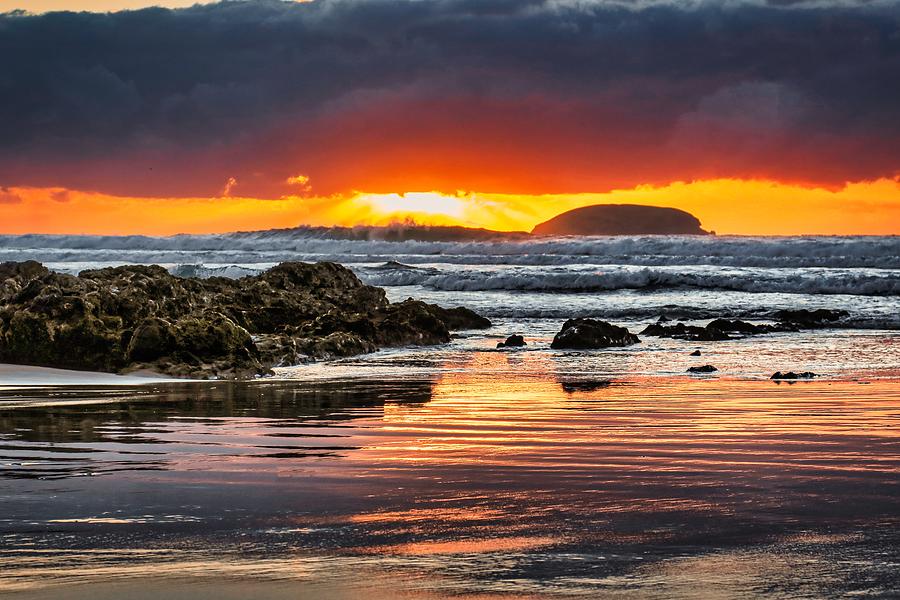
(759, 118)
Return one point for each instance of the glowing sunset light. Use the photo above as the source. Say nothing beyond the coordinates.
(425, 203)
(302, 181)
(727, 206)
(263, 123)
(445, 299)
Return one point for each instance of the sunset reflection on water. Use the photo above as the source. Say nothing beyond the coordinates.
(540, 483)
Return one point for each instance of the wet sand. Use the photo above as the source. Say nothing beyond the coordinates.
(24, 376)
(458, 485)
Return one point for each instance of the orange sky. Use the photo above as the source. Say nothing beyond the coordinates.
(225, 116)
(727, 206)
(37, 6)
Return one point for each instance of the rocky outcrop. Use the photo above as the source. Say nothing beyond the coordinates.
(513, 341)
(725, 329)
(685, 332)
(459, 317)
(810, 319)
(587, 334)
(142, 317)
(742, 327)
(791, 375)
(703, 369)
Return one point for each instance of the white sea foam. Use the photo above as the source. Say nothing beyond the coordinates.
(692, 277)
(819, 281)
(264, 247)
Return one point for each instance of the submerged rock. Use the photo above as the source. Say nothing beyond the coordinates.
(572, 387)
(703, 369)
(810, 319)
(142, 317)
(721, 329)
(696, 353)
(792, 375)
(715, 331)
(513, 341)
(586, 334)
(693, 333)
(741, 327)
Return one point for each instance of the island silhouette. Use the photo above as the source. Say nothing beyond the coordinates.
(621, 219)
(597, 219)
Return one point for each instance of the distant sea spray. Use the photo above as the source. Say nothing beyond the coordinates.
(266, 247)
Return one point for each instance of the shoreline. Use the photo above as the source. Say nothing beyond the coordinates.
(40, 384)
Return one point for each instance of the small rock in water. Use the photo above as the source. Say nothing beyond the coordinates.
(571, 387)
(695, 353)
(792, 375)
(686, 332)
(513, 341)
(588, 334)
(703, 369)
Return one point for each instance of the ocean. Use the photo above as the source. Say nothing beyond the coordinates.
(468, 471)
(531, 287)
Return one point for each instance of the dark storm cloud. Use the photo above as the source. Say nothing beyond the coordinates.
(243, 88)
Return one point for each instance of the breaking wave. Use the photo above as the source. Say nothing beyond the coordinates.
(869, 283)
(277, 246)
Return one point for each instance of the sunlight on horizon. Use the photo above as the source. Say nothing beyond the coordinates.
(726, 206)
(426, 203)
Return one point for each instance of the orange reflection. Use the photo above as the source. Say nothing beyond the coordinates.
(467, 546)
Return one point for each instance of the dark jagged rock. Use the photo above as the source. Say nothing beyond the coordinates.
(696, 353)
(687, 332)
(621, 219)
(586, 334)
(459, 317)
(513, 341)
(810, 319)
(792, 375)
(410, 323)
(15, 274)
(143, 318)
(571, 387)
(703, 369)
(719, 329)
(716, 330)
(741, 327)
(336, 345)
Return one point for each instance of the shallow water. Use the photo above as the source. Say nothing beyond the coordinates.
(465, 483)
